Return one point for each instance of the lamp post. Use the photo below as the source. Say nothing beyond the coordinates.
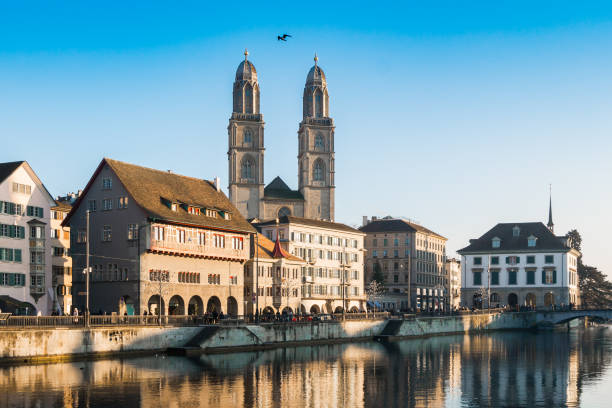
(87, 271)
(255, 252)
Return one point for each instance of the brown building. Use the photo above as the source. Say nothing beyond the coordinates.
(157, 234)
(411, 259)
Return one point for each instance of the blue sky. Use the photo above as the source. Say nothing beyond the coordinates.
(456, 115)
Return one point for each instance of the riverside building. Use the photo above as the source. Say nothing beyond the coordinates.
(61, 262)
(522, 264)
(453, 274)
(25, 244)
(412, 260)
(333, 279)
(157, 240)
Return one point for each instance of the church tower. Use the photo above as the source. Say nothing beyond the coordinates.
(246, 143)
(316, 148)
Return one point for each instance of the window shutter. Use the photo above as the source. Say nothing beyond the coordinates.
(11, 279)
(543, 276)
(518, 259)
(507, 260)
(555, 276)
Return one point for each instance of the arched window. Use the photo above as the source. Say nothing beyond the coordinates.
(248, 99)
(318, 142)
(318, 170)
(248, 168)
(284, 211)
(248, 136)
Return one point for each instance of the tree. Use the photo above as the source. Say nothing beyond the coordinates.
(595, 289)
(378, 276)
(374, 291)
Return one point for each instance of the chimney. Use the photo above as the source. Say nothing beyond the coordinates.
(218, 183)
(365, 220)
(374, 218)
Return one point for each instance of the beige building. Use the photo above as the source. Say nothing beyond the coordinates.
(158, 239)
(61, 261)
(411, 259)
(333, 279)
(314, 197)
(453, 276)
(279, 279)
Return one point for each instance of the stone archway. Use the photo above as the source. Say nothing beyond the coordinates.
(530, 300)
(213, 305)
(232, 307)
(512, 299)
(153, 305)
(287, 310)
(302, 309)
(354, 309)
(314, 309)
(268, 310)
(549, 299)
(338, 309)
(195, 306)
(176, 306)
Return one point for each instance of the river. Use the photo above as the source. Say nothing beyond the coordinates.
(551, 369)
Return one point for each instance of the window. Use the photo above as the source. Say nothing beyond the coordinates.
(91, 205)
(219, 241)
(158, 233)
(248, 136)
(478, 278)
(531, 241)
(34, 211)
(180, 236)
(318, 170)
(132, 232)
(201, 238)
(194, 210)
(407, 253)
(107, 233)
(530, 277)
(55, 233)
(385, 253)
(248, 168)
(513, 260)
(516, 231)
(396, 253)
(385, 242)
(318, 145)
(495, 260)
(494, 277)
(477, 260)
(512, 277)
(37, 232)
(396, 242)
(122, 202)
(107, 204)
(283, 212)
(374, 254)
(107, 183)
(174, 206)
(549, 276)
(549, 259)
(211, 213)
(530, 259)
(495, 242)
(58, 251)
(22, 188)
(374, 242)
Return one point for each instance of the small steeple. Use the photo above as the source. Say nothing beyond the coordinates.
(316, 59)
(246, 54)
(550, 225)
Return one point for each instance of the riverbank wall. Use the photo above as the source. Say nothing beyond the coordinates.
(40, 345)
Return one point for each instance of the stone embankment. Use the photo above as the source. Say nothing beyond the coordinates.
(37, 344)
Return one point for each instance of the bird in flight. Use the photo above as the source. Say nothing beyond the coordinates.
(283, 37)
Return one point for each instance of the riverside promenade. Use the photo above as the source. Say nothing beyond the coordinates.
(45, 339)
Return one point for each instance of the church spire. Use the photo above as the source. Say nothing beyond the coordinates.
(550, 225)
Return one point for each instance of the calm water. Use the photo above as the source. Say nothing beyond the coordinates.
(503, 369)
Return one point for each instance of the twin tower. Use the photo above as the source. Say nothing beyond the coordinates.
(315, 195)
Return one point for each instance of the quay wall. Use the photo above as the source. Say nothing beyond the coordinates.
(37, 344)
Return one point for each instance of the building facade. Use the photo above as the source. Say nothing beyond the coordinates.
(412, 261)
(25, 244)
(522, 264)
(453, 275)
(315, 195)
(333, 279)
(277, 286)
(159, 242)
(61, 262)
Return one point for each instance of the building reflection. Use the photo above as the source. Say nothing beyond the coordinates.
(502, 369)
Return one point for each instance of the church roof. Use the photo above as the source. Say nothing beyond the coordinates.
(246, 70)
(316, 76)
(280, 190)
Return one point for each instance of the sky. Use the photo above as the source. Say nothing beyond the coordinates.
(458, 116)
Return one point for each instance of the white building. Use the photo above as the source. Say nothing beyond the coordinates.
(519, 264)
(25, 248)
(453, 277)
(61, 261)
(334, 253)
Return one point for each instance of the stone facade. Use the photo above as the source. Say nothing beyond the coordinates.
(315, 195)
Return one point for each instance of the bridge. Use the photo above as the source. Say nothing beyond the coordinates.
(553, 317)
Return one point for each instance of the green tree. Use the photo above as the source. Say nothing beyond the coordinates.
(378, 276)
(595, 289)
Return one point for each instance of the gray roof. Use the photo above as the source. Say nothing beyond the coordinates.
(546, 240)
(278, 189)
(6, 169)
(396, 225)
(310, 222)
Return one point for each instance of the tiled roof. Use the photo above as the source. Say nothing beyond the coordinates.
(153, 189)
(396, 225)
(278, 189)
(6, 169)
(310, 222)
(62, 205)
(546, 240)
(266, 250)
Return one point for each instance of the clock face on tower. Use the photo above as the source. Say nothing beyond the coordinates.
(284, 211)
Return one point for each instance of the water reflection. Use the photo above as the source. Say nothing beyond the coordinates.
(502, 369)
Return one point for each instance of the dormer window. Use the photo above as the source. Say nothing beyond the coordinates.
(516, 231)
(174, 207)
(495, 242)
(531, 241)
(193, 210)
